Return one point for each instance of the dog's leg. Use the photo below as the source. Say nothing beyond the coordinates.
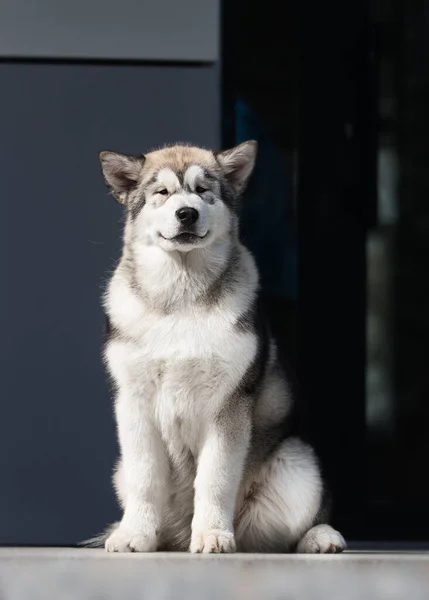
(280, 504)
(219, 472)
(145, 479)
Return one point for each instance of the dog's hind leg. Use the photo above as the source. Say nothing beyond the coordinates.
(280, 505)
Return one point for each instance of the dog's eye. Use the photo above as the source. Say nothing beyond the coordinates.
(163, 192)
(200, 190)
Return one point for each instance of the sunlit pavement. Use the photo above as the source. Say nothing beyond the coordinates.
(57, 573)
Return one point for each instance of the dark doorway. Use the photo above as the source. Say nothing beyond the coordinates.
(338, 93)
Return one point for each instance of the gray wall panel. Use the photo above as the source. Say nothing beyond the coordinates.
(129, 29)
(59, 237)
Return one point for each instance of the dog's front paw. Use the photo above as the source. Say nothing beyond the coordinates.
(124, 540)
(213, 541)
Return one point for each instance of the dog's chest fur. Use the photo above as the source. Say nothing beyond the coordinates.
(183, 366)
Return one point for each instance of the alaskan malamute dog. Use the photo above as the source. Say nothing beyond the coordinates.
(208, 462)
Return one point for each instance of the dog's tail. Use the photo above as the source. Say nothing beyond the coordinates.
(98, 541)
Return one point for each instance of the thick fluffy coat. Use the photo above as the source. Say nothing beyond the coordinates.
(208, 458)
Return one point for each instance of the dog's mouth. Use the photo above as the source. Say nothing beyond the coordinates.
(186, 237)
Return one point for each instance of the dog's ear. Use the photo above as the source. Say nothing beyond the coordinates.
(238, 164)
(121, 173)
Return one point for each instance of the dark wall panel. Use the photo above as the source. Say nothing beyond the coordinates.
(59, 238)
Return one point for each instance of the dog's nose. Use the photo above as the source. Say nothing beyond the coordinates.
(187, 215)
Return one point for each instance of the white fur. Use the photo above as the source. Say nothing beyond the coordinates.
(194, 176)
(186, 477)
(166, 177)
(321, 539)
(285, 497)
(198, 371)
(157, 224)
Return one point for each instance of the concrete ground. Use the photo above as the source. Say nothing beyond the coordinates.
(68, 573)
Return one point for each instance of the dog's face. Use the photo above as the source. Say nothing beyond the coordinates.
(180, 197)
